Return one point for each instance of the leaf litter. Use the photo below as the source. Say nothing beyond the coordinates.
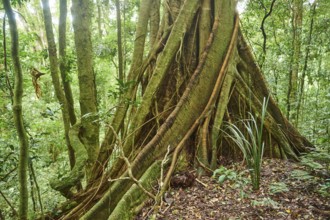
(287, 191)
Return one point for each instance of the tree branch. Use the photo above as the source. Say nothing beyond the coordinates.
(7, 201)
(263, 23)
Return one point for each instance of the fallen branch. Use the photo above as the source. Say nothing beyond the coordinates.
(200, 182)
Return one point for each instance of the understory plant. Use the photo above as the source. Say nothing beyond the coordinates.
(318, 161)
(250, 142)
(317, 164)
(278, 187)
(225, 174)
(238, 179)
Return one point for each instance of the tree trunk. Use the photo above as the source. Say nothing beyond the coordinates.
(107, 145)
(89, 131)
(99, 18)
(304, 70)
(203, 75)
(292, 97)
(121, 76)
(56, 79)
(4, 42)
(63, 61)
(17, 111)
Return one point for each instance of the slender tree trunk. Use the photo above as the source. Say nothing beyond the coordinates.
(34, 180)
(292, 97)
(121, 76)
(63, 60)
(304, 70)
(10, 88)
(17, 111)
(89, 132)
(99, 18)
(107, 145)
(56, 78)
(154, 21)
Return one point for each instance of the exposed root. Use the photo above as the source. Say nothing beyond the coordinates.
(206, 111)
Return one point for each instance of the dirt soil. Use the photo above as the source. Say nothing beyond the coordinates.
(286, 192)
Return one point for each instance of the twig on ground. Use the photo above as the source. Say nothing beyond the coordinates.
(200, 182)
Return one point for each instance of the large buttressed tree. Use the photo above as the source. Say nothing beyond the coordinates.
(193, 72)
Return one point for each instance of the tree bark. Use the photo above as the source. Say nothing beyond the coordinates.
(17, 111)
(63, 61)
(10, 88)
(121, 76)
(204, 32)
(81, 11)
(99, 18)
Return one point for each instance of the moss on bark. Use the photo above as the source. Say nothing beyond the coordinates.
(81, 10)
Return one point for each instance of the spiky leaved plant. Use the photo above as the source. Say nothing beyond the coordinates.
(251, 145)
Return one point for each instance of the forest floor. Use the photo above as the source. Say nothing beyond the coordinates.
(287, 191)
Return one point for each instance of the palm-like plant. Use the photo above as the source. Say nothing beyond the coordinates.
(251, 145)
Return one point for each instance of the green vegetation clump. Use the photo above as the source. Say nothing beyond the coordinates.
(251, 144)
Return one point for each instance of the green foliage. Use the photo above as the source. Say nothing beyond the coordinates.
(318, 164)
(251, 146)
(301, 175)
(237, 180)
(318, 160)
(265, 202)
(121, 88)
(310, 163)
(278, 187)
(314, 114)
(225, 174)
(324, 189)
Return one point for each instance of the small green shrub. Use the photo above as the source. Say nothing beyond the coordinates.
(238, 179)
(224, 174)
(278, 187)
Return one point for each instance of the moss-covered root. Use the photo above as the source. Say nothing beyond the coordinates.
(130, 204)
(65, 183)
